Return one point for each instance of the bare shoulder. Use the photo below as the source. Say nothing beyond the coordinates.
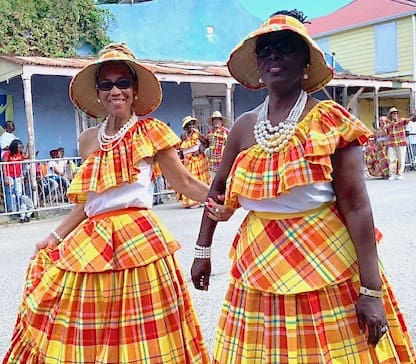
(88, 142)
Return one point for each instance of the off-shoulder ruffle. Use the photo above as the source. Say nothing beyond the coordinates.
(190, 141)
(259, 175)
(103, 170)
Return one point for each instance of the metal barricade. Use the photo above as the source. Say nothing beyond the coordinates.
(27, 186)
(410, 163)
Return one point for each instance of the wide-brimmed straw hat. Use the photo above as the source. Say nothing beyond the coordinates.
(83, 93)
(217, 114)
(242, 63)
(188, 119)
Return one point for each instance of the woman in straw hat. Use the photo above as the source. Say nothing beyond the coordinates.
(305, 285)
(217, 137)
(104, 286)
(192, 147)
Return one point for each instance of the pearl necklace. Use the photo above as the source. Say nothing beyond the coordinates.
(273, 139)
(104, 139)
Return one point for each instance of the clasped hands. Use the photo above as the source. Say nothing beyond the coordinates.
(216, 211)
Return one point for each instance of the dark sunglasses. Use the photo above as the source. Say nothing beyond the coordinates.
(121, 83)
(282, 47)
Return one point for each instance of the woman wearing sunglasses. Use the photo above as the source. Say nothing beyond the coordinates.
(104, 286)
(305, 285)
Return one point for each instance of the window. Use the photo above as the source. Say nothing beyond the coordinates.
(386, 47)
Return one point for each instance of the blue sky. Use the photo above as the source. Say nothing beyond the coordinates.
(311, 8)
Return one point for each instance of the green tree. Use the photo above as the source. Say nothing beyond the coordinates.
(52, 28)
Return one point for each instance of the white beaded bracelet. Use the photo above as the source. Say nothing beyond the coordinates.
(202, 252)
(57, 236)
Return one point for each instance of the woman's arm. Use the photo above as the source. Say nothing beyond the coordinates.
(354, 205)
(179, 177)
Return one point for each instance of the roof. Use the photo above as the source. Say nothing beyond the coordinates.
(360, 13)
(169, 71)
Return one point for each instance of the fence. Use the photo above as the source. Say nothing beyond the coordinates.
(28, 186)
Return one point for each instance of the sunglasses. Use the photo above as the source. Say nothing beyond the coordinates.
(282, 47)
(121, 83)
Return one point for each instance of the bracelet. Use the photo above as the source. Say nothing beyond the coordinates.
(57, 236)
(202, 252)
(370, 292)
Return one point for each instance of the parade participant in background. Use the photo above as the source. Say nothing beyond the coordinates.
(396, 145)
(192, 146)
(105, 286)
(217, 137)
(376, 151)
(305, 282)
(7, 136)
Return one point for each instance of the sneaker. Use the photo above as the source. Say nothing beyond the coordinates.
(26, 219)
(21, 220)
(391, 178)
(399, 177)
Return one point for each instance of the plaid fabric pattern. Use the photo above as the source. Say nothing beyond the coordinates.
(142, 314)
(397, 133)
(107, 169)
(258, 327)
(376, 159)
(307, 159)
(293, 255)
(197, 165)
(217, 139)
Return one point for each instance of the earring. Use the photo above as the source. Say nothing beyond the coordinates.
(98, 100)
(260, 80)
(305, 76)
(135, 97)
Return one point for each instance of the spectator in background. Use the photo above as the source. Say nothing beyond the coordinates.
(56, 170)
(13, 178)
(217, 137)
(158, 184)
(8, 136)
(411, 139)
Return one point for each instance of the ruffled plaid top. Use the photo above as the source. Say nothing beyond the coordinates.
(103, 170)
(259, 175)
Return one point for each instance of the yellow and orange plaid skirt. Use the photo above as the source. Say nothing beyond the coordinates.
(299, 319)
(120, 312)
(197, 165)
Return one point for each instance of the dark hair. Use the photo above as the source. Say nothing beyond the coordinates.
(14, 146)
(297, 14)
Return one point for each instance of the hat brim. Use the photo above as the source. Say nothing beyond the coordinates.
(242, 63)
(188, 121)
(83, 93)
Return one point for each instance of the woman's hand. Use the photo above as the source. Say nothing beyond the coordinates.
(371, 318)
(216, 211)
(200, 272)
(48, 242)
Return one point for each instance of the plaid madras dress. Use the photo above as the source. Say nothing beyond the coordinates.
(217, 138)
(112, 291)
(196, 163)
(294, 277)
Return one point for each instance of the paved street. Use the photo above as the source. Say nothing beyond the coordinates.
(394, 206)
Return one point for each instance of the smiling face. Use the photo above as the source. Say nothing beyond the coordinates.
(116, 89)
(281, 59)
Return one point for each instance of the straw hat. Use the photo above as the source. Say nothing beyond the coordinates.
(188, 119)
(242, 63)
(393, 109)
(83, 93)
(217, 114)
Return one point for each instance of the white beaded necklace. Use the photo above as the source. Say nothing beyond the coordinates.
(107, 141)
(275, 138)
